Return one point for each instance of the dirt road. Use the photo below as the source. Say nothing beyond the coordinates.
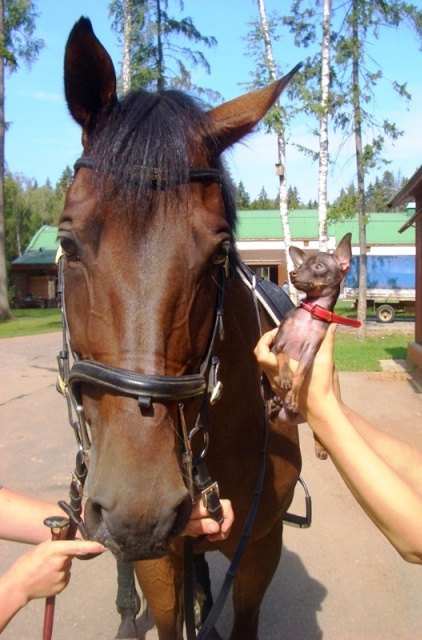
(338, 580)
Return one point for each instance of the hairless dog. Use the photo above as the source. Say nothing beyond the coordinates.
(300, 335)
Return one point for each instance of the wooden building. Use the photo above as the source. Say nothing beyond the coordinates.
(412, 191)
(34, 273)
(261, 246)
(259, 240)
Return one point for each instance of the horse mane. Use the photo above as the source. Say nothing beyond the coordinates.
(147, 144)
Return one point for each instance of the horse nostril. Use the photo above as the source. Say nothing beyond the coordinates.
(93, 516)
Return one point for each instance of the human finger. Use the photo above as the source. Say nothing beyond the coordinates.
(320, 379)
(263, 347)
(200, 522)
(73, 548)
(226, 525)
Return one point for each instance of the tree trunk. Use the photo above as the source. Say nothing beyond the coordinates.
(281, 149)
(4, 300)
(323, 126)
(160, 61)
(360, 169)
(127, 30)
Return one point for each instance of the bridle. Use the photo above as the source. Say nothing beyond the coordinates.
(148, 389)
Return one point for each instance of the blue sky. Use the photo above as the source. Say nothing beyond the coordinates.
(42, 138)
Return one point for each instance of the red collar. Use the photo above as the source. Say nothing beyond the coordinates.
(329, 316)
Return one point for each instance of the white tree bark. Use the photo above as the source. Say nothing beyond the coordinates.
(281, 147)
(4, 300)
(127, 28)
(323, 126)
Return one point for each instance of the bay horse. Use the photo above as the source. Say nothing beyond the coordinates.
(148, 238)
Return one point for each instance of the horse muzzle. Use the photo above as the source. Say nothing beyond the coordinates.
(140, 538)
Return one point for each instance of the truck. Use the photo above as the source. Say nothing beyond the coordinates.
(390, 284)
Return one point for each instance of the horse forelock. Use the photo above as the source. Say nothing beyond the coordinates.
(148, 144)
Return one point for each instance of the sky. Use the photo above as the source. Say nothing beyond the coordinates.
(42, 138)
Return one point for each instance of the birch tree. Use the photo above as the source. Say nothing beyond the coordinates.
(127, 30)
(348, 95)
(314, 90)
(278, 128)
(323, 127)
(363, 22)
(154, 56)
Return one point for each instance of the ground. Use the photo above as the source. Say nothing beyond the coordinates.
(338, 580)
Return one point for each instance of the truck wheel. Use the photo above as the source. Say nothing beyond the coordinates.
(386, 313)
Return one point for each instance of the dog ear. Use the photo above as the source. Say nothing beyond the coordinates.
(344, 252)
(297, 255)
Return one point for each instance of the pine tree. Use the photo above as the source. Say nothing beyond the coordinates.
(363, 22)
(153, 57)
(293, 199)
(260, 46)
(242, 197)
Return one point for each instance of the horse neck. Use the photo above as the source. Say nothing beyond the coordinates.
(242, 321)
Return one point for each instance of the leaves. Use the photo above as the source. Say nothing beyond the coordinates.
(159, 57)
(18, 41)
(28, 207)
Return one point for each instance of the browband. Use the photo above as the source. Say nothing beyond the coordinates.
(195, 175)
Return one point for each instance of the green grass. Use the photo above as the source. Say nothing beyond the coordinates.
(350, 353)
(28, 322)
(353, 355)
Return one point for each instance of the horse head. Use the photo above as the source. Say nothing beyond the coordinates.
(147, 225)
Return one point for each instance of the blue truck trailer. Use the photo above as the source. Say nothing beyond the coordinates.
(390, 284)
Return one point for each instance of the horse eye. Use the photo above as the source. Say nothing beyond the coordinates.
(69, 248)
(220, 256)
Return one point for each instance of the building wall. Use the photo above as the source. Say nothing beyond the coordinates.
(418, 313)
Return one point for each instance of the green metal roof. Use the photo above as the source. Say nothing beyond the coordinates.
(42, 249)
(44, 239)
(381, 228)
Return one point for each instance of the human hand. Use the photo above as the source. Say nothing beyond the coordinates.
(321, 380)
(200, 522)
(267, 360)
(45, 570)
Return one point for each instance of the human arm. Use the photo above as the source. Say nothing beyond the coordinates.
(201, 524)
(22, 517)
(382, 472)
(41, 572)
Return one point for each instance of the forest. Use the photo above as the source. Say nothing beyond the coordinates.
(161, 47)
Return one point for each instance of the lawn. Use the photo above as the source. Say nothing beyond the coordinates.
(350, 353)
(353, 355)
(28, 322)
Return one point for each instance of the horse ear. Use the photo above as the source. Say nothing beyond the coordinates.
(234, 119)
(89, 77)
(344, 252)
